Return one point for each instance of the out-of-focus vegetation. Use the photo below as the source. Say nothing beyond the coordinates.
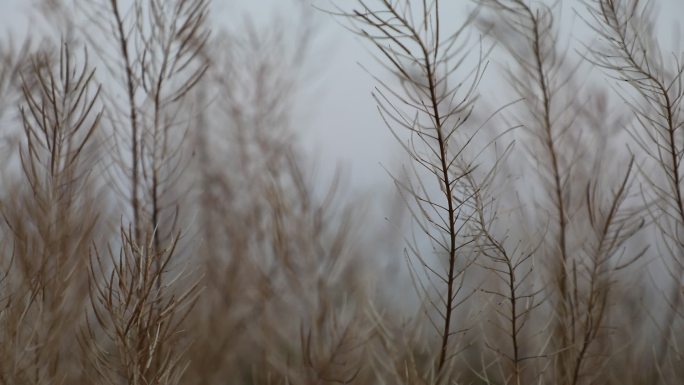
(160, 224)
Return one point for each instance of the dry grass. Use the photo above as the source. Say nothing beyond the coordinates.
(160, 224)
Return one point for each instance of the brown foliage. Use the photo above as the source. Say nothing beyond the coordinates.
(160, 224)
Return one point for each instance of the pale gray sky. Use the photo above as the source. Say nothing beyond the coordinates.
(343, 125)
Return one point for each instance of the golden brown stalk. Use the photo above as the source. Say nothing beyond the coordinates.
(433, 110)
(632, 54)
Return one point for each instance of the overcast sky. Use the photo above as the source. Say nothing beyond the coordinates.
(343, 126)
(340, 124)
